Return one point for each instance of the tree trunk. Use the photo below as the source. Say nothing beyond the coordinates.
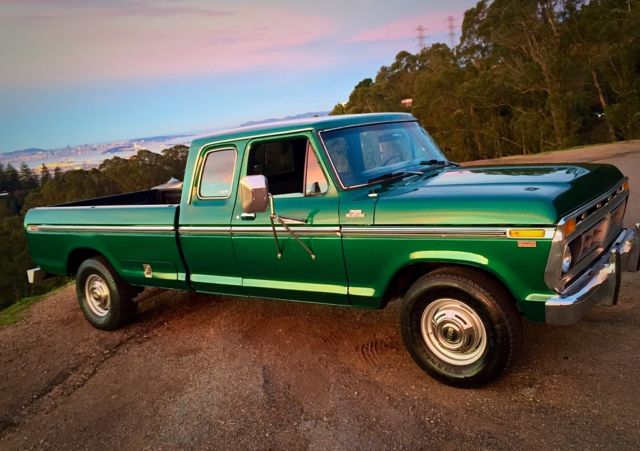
(476, 136)
(603, 104)
(558, 120)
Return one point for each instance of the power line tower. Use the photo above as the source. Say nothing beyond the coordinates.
(421, 37)
(452, 31)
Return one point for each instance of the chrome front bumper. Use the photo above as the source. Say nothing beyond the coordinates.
(600, 284)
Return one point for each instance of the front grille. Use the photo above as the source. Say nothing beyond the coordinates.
(599, 205)
(617, 216)
(587, 242)
(598, 225)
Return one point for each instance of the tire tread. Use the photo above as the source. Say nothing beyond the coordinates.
(487, 287)
(125, 308)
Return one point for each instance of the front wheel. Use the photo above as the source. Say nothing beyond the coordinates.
(105, 299)
(460, 326)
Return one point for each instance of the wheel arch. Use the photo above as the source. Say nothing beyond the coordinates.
(406, 275)
(78, 255)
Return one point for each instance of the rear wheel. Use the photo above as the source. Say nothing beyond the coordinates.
(105, 299)
(460, 326)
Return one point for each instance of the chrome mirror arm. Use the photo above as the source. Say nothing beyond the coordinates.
(273, 217)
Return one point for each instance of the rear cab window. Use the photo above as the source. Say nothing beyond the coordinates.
(217, 174)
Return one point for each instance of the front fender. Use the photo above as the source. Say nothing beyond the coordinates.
(519, 269)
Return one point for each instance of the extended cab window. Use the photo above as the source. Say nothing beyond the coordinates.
(290, 166)
(217, 174)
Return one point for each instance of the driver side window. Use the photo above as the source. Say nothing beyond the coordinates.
(290, 166)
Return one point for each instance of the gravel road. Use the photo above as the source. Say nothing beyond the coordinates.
(220, 372)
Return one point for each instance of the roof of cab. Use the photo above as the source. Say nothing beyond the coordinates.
(312, 123)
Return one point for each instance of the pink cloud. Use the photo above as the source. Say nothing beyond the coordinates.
(90, 40)
(24, 9)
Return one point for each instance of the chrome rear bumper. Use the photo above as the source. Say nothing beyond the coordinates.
(36, 275)
(600, 284)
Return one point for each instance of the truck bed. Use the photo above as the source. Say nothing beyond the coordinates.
(149, 197)
(134, 231)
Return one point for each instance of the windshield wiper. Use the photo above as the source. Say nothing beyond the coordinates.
(438, 163)
(393, 175)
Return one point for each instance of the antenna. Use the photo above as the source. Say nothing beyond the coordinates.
(421, 37)
(452, 32)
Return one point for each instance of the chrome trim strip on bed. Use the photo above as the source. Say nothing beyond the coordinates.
(104, 207)
(98, 228)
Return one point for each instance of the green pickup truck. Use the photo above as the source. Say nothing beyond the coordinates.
(357, 211)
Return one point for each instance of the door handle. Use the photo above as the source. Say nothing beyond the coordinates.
(248, 216)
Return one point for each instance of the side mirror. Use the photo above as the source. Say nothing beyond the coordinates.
(254, 191)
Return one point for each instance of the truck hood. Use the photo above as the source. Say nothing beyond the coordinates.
(494, 195)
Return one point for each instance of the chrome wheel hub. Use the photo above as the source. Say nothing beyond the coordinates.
(453, 332)
(96, 292)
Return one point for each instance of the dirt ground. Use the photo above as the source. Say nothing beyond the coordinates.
(219, 372)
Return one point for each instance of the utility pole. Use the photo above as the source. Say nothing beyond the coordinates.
(421, 37)
(452, 32)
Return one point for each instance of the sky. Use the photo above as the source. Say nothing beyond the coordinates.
(78, 72)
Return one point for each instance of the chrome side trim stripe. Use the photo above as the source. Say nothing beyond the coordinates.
(369, 231)
(300, 230)
(94, 228)
(443, 232)
(320, 230)
(424, 231)
(253, 230)
(196, 230)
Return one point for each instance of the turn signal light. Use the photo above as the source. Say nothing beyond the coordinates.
(569, 227)
(625, 185)
(527, 233)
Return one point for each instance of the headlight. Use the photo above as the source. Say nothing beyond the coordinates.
(566, 259)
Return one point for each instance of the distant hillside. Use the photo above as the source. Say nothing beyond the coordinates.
(30, 150)
(91, 155)
(24, 153)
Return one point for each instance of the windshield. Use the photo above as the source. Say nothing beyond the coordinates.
(363, 154)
